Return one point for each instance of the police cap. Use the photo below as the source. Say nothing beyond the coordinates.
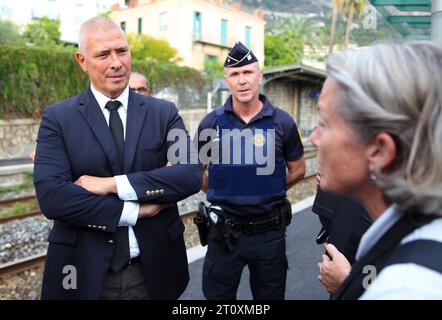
(239, 56)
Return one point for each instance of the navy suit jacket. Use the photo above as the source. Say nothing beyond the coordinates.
(74, 140)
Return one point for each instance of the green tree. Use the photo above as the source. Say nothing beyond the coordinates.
(288, 39)
(9, 33)
(299, 32)
(337, 8)
(347, 7)
(44, 32)
(145, 47)
(213, 69)
(277, 53)
(353, 5)
(106, 14)
(326, 32)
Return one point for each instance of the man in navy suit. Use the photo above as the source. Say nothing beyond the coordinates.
(102, 174)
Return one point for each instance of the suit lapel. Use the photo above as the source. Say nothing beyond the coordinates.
(93, 115)
(136, 112)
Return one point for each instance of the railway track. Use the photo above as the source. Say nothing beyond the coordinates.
(12, 268)
(8, 202)
(15, 274)
(20, 216)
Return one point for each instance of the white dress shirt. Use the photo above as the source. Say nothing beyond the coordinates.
(402, 280)
(126, 192)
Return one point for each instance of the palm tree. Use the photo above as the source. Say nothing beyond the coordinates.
(359, 5)
(298, 32)
(338, 6)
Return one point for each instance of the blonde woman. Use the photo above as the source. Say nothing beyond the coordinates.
(380, 140)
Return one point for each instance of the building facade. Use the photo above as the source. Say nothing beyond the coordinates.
(72, 13)
(200, 30)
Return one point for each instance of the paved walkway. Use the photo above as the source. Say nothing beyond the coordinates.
(303, 255)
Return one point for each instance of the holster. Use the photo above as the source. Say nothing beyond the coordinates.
(227, 231)
(222, 230)
(201, 220)
(286, 213)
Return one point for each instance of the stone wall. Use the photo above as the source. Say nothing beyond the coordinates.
(311, 160)
(192, 119)
(308, 113)
(17, 138)
(280, 94)
(14, 175)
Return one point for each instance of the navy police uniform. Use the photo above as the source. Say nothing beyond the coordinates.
(236, 194)
(248, 204)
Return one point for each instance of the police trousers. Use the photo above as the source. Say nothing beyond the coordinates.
(264, 254)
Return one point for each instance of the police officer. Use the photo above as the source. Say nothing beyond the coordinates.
(249, 213)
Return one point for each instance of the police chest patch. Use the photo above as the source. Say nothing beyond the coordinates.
(259, 140)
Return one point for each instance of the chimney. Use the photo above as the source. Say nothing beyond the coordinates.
(260, 14)
(236, 6)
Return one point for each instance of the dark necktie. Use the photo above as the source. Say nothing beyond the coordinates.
(121, 252)
(116, 127)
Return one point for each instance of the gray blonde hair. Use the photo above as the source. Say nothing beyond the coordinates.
(397, 89)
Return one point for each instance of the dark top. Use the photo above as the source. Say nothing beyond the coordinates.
(74, 140)
(288, 145)
(388, 251)
(345, 220)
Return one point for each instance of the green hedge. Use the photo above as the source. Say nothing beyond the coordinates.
(32, 78)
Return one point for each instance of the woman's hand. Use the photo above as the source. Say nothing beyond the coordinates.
(333, 270)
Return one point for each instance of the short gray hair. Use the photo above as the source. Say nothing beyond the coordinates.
(398, 89)
(140, 75)
(95, 24)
